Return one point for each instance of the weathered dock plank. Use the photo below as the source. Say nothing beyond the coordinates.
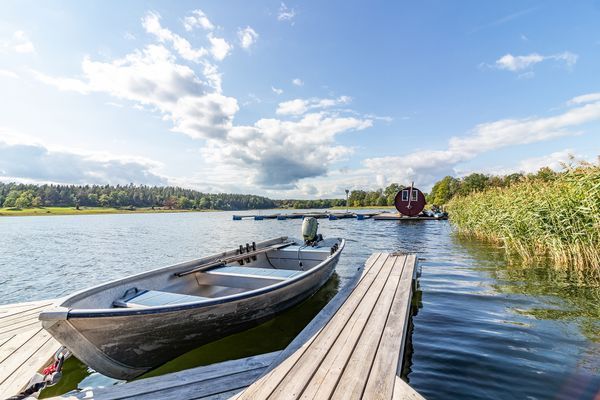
(25, 348)
(221, 380)
(358, 353)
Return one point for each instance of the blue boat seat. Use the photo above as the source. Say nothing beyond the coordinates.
(135, 297)
(268, 273)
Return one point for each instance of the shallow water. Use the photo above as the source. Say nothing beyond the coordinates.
(482, 329)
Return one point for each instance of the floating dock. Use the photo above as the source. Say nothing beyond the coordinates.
(352, 349)
(396, 217)
(317, 215)
(378, 216)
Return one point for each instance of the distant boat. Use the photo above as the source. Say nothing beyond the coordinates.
(129, 326)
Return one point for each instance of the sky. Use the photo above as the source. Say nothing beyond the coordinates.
(294, 99)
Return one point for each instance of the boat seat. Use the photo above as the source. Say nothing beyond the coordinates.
(266, 273)
(135, 297)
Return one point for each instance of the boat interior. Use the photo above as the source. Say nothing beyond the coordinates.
(247, 268)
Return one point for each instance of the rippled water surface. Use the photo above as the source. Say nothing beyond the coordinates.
(482, 329)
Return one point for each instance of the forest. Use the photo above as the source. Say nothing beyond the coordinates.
(23, 196)
(16, 195)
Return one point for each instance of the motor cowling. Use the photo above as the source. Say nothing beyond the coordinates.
(310, 226)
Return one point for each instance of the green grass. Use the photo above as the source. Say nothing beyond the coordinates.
(17, 212)
(557, 220)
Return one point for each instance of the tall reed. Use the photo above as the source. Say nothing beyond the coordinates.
(557, 219)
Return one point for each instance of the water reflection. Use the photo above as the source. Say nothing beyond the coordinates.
(565, 296)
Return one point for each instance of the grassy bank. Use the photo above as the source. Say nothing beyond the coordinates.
(18, 212)
(558, 219)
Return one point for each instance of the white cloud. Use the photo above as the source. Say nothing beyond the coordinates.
(429, 165)
(512, 63)
(219, 47)
(128, 36)
(61, 83)
(8, 74)
(34, 162)
(285, 13)
(279, 153)
(151, 23)
(300, 106)
(21, 43)
(152, 77)
(247, 37)
(197, 19)
(586, 98)
(276, 90)
(297, 82)
(18, 42)
(554, 161)
(271, 153)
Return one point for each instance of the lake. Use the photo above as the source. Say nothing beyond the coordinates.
(482, 329)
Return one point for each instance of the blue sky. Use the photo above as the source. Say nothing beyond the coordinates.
(294, 99)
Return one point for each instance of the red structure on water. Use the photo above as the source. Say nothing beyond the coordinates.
(410, 201)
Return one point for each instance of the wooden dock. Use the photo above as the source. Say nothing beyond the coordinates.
(402, 218)
(358, 353)
(25, 348)
(352, 349)
(318, 215)
(216, 381)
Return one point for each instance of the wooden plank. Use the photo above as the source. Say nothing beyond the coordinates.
(208, 387)
(325, 379)
(18, 319)
(18, 310)
(4, 340)
(20, 316)
(21, 354)
(15, 343)
(179, 382)
(13, 306)
(268, 383)
(229, 395)
(380, 384)
(21, 374)
(296, 380)
(20, 327)
(403, 391)
(354, 376)
(323, 317)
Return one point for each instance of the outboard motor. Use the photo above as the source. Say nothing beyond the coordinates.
(309, 231)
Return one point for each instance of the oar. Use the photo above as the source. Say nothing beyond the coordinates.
(238, 257)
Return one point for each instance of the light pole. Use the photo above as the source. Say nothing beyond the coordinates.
(347, 191)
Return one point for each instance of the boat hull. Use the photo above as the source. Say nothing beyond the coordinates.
(126, 346)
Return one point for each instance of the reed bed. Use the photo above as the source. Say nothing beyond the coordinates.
(556, 220)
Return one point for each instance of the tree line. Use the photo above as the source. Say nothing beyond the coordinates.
(18, 195)
(448, 187)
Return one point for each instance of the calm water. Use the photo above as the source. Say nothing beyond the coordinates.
(482, 329)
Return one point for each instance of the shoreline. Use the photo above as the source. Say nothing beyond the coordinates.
(55, 211)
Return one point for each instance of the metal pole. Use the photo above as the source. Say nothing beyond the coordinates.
(347, 191)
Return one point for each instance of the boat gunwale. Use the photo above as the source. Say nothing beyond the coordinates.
(123, 312)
